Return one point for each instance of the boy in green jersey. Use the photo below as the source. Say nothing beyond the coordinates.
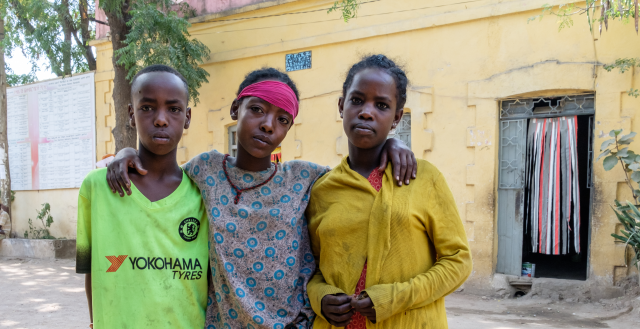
(146, 257)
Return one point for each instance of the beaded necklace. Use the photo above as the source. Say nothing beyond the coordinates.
(240, 190)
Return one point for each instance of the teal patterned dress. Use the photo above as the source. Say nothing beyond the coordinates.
(259, 249)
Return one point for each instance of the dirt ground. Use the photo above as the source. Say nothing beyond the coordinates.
(48, 294)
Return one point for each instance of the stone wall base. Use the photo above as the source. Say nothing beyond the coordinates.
(506, 286)
(43, 249)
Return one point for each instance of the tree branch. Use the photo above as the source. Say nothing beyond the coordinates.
(626, 175)
(86, 34)
(74, 33)
(98, 21)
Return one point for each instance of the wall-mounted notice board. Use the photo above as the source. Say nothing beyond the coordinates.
(51, 130)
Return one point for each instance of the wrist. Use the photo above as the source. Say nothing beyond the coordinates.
(126, 152)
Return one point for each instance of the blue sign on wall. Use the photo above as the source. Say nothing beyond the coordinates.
(299, 61)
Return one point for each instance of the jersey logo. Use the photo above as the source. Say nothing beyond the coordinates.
(189, 228)
(116, 262)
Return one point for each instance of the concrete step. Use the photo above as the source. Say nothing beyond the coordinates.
(520, 280)
(555, 289)
(40, 248)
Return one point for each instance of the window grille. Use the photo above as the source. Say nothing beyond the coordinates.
(546, 107)
(403, 130)
(233, 140)
(512, 153)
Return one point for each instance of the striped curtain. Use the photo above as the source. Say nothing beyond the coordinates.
(553, 199)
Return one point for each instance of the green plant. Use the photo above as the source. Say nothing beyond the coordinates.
(348, 8)
(629, 216)
(624, 11)
(614, 151)
(624, 64)
(44, 215)
(13, 195)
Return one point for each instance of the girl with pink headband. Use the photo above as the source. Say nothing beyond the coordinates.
(260, 255)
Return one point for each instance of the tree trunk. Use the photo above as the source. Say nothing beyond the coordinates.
(66, 29)
(85, 33)
(124, 134)
(5, 184)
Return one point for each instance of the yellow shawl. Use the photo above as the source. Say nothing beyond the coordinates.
(411, 237)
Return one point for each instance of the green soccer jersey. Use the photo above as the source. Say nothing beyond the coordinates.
(148, 260)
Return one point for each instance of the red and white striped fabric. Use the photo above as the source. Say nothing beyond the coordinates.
(553, 211)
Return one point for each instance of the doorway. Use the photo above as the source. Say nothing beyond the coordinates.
(517, 228)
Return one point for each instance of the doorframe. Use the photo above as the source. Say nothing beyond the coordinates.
(525, 112)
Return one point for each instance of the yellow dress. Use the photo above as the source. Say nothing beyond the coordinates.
(411, 237)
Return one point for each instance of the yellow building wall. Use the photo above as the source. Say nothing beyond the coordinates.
(64, 210)
(461, 59)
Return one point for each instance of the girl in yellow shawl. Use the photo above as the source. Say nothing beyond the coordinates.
(387, 255)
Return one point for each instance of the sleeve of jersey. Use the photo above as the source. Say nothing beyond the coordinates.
(83, 236)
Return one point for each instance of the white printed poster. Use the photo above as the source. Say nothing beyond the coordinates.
(51, 130)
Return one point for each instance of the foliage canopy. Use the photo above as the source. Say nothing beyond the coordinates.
(158, 35)
(57, 29)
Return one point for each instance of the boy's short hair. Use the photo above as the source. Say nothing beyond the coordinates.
(162, 68)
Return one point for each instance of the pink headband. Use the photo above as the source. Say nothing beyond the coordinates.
(275, 92)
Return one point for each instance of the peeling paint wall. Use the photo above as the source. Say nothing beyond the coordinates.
(461, 60)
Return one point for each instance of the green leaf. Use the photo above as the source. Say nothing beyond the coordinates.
(637, 193)
(633, 208)
(615, 132)
(609, 162)
(634, 166)
(627, 136)
(622, 239)
(606, 152)
(630, 158)
(623, 217)
(623, 153)
(606, 144)
(349, 9)
(636, 176)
